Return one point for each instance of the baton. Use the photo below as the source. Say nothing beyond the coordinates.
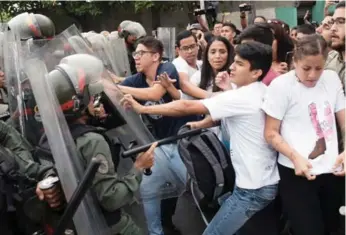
(168, 140)
(78, 196)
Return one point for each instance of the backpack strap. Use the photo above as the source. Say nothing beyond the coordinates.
(208, 155)
(197, 204)
(214, 141)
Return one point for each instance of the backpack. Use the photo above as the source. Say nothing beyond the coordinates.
(210, 170)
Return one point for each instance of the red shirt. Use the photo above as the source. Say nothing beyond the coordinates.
(271, 75)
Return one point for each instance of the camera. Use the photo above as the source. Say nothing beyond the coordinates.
(199, 12)
(245, 7)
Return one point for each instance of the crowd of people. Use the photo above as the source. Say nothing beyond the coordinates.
(273, 95)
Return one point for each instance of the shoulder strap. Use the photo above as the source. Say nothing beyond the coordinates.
(208, 155)
(214, 141)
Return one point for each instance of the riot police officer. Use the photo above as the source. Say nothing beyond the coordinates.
(19, 174)
(34, 30)
(131, 32)
(76, 83)
(35, 26)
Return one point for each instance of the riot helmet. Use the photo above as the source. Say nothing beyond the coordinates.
(29, 25)
(132, 31)
(75, 80)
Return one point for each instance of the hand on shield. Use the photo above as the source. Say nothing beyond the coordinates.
(115, 78)
(96, 109)
(145, 160)
(52, 196)
(129, 102)
(164, 80)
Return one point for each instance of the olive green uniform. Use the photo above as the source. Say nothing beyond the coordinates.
(12, 140)
(113, 192)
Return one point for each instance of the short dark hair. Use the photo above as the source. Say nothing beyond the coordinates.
(232, 26)
(260, 32)
(218, 22)
(258, 54)
(182, 35)
(153, 44)
(306, 29)
(310, 45)
(294, 28)
(340, 5)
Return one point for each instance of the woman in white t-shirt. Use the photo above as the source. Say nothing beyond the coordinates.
(301, 107)
(218, 57)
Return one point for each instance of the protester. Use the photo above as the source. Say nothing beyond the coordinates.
(311, 170)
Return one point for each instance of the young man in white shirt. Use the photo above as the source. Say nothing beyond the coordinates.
(187, 63)
(253, 159)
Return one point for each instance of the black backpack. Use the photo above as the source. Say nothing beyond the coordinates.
(210, 170)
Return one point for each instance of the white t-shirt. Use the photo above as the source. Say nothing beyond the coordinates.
(307, 116)
(195, 79)
(183, 67)
(254, 161)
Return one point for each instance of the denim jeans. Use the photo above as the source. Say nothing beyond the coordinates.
(168, 180)
(240, 206)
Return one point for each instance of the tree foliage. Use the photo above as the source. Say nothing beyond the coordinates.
(81, 10)
(93, 8)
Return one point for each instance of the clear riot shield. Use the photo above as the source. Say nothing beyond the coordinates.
(172, 186)
(125, 125)
(119, 55)
(167, 36)
(14, 76)
(68, 42)
(100, 47)
(88, 218)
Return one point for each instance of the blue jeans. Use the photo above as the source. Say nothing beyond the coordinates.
(238, 208)
(168, 180)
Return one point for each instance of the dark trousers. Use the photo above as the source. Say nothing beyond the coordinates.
(264, 222)
(312, 207)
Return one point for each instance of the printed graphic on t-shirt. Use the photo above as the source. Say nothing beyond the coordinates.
(150, 103)
(323, 128)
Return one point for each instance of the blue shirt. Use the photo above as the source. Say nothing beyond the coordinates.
(163, 126)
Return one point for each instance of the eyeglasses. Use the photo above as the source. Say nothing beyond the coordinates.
(187, 48)
(338, 21)
(141, 53)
